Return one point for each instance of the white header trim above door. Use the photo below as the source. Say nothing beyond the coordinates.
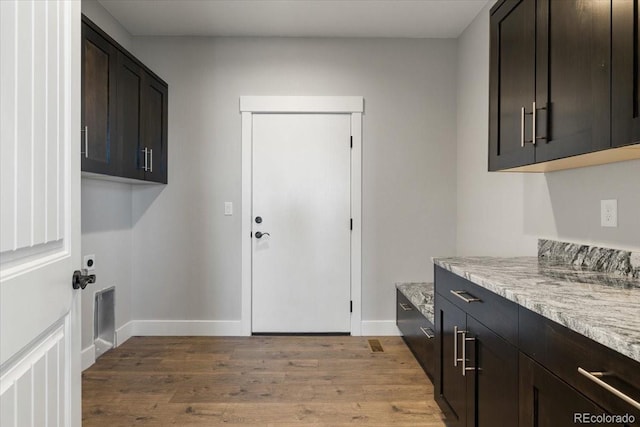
(301, 104)
(353, 105)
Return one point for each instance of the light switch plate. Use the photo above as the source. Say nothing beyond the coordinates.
(228, 208)
(89, 262)
(609, 213)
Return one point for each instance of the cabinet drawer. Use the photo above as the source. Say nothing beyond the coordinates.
(563, 351)
(497, 313)
(417, 332)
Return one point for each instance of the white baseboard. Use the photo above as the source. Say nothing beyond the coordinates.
(186, 328)
(380, 328)
(88, 357)
(124, 333)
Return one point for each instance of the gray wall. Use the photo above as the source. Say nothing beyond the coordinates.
(106, 217)
(107, 233)
(504, 213)
(187, 254)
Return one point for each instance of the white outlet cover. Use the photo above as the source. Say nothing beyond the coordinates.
(609, 213)
(89, 259)
(228, 208)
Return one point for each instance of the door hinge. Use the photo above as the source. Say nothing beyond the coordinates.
(350, 306)
(351, 141)
(351, 224)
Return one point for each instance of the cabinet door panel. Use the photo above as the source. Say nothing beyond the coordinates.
(450, 384)
(99, 145)
(572, 77)
(155, 129)
(512, 81)
(546, 401)
(129, 116)
(495, 377)
(625, 71)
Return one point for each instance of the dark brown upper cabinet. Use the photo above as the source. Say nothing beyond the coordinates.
(153, 147)
(129, 117)
(625, 85)
(100, 149)
(553, 85)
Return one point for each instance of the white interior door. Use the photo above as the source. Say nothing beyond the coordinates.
(39, 212)
(301, 192)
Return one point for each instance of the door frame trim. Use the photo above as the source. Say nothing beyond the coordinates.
(353, 105)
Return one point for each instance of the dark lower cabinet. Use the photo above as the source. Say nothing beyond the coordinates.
(417, 332)
(477, 370)
(124, 111)
(529, 372)
(450, 384)
(496, 377)
(547, 401)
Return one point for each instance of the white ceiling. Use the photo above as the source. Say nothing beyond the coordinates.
(296, 18)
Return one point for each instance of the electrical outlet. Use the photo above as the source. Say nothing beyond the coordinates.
(228, 208)
(609, 213)
(89, 262)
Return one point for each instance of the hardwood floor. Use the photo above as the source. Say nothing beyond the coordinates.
(269, 381)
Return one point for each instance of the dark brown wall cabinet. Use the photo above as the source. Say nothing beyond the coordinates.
(476, 375)
(560, 72)
(124, 111)
(625, 84)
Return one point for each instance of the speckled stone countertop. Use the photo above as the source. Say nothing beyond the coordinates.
(420, 294)
(601, 305)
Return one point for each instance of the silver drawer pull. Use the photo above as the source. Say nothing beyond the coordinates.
(595, 377)
(428, 332)
(469, 300)
(405, 307)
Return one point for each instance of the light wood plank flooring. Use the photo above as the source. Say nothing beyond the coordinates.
(268, 381)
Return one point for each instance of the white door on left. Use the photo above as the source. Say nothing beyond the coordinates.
(39, 212)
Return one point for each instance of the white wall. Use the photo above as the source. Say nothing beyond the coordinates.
(106, 220)
(504, 213)
(187, 254)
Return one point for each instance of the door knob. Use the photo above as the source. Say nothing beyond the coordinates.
(80, 279)
(259, 234)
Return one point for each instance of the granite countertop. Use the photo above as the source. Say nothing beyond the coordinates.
(601, 305)
(421, 295)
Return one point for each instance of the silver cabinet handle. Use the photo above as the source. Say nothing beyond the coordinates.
(467, 300)
(522, 113)
(595, 377)
(405, 307)
(86, 142)
(151, 161)
(536, 138)
(428, 332)
(455, 346)
(533, 126)
(456, 332)
(465, 339)
(145, 167)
